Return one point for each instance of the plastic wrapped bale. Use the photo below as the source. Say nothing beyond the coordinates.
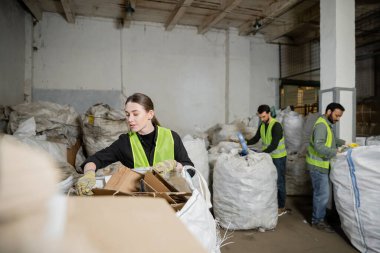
(58, 122)
(102, 125)
(293, 126)
(245, 191)
(310, 120)
(355, 176)
(373, 140)
(297, 177)
(228, 132)
(196, 148)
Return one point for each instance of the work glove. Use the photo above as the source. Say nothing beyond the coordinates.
(165, 166)
(86, 183)
(342, 148)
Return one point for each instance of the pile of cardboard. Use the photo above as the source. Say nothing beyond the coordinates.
(126, 182)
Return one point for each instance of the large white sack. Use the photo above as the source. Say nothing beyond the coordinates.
(356, 177)
(57, 122)
(297, 177)
(310, 120)
(228, 132)
(293, 126)
(223, 147)
(101, 126)
(245, 191)
(373, 140)
(196, 149)
(196, 216)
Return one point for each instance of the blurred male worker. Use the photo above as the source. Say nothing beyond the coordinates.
(322, 147)
(271, 133)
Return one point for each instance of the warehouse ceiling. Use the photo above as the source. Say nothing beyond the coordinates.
(280, 21)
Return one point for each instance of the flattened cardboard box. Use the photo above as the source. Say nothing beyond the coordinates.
(138, 225)
(126, 182)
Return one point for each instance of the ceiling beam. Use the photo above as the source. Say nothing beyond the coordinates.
(273, 11)
(214, 19)
(34, 8)
(70, 16)
(305, 17)
(128, 16)
(177, 14)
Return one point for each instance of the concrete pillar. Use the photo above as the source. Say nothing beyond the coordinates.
(338, 62)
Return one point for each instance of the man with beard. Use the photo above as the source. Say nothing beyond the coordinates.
(272, 137)
(322, 147)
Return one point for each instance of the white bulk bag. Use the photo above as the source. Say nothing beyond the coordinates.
(356, 177)
(297, 177)
(373, 140)
(195, 213)
(293, 126)
(101, 126)
(196, 149)
(245, 191)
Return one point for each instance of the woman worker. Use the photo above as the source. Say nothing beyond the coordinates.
(145, 145)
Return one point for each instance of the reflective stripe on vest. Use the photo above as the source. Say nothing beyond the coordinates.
(164, 149)
(312, 156)
(266, 139)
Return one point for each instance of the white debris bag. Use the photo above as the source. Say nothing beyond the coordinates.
(297, 177)
(196, 149)
(195, 214)
(58, 122)
(101, 126)
(245, 191)
(373, 140)
(293, 126)
(356, 177)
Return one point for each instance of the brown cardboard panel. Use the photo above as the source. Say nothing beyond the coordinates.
(72, 152)
(175, 198)
(124, 180)
(164, 182)
(141, 225)
(152, 181)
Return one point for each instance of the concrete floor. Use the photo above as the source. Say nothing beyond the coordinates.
(292, 234)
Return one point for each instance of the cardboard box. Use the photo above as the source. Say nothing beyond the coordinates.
(139, 225)
(126, 182)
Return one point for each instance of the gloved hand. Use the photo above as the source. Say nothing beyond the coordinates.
(85, 183)
(342, 148)
(165, 166)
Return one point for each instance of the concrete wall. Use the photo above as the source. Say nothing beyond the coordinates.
(264, 74)
(12, 52)
(195, 80)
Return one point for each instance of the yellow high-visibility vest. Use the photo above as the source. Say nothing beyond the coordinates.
(312, 156)
(266, 139)
(164, 149)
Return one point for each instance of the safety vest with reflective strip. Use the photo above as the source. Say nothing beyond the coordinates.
(266, 138)
(164, 149)
(312, 156)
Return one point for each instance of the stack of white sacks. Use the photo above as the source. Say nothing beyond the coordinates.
(297, 132)
(356, 176)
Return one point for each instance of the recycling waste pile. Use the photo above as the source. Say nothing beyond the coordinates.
(242, 188)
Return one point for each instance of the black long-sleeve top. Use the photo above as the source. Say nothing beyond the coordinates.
(121, 150)
(277, 134)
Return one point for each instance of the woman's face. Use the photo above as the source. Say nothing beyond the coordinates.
(138, 119)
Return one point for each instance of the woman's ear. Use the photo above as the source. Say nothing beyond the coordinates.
(151, 114)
